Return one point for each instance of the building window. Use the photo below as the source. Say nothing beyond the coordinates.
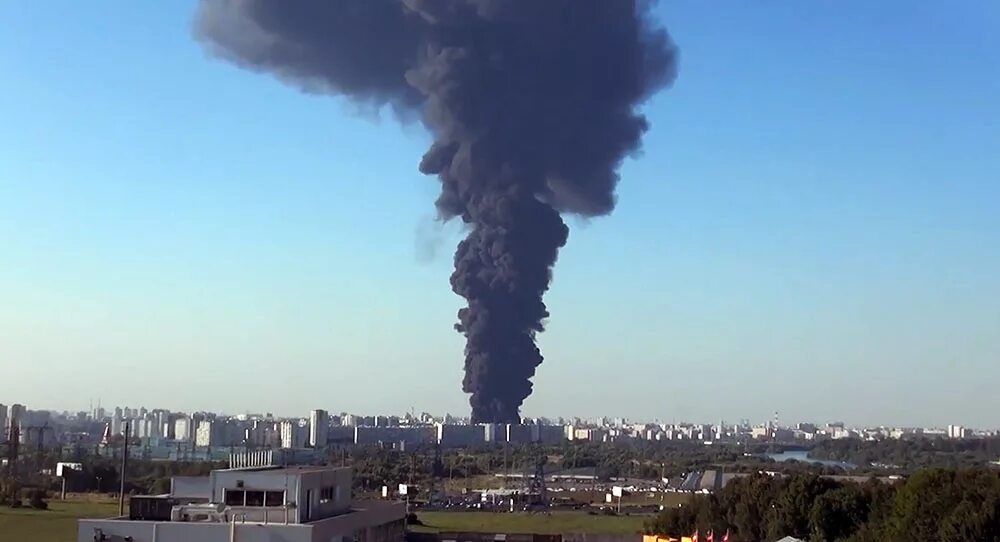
(326, 494)
(274, 498)
(255, 498)
(235, 497)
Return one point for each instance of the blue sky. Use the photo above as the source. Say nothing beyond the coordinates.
(812, 228)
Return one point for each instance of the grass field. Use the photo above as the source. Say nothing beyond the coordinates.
(554, 523)
(57, 524)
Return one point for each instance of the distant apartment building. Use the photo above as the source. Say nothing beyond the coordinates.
(589, 434)
(143, 428)
(13, 417)
(212, 433)
(117, 422)
(518, 433)
(340, 435)
(319, 428)
(294, 434)
(460, 436)
(16, 414)
(958, 432)
(494, 432)
(410, 435)
(3, 422)
(184, 429)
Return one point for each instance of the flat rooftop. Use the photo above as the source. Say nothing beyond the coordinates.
(291, 469)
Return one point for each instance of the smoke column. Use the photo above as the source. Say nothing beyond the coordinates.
(532, 105)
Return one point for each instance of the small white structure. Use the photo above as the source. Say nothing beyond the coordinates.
(291, 504)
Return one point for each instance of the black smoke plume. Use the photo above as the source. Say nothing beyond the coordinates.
(532, 105)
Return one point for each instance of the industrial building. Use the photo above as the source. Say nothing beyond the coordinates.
(254, 504)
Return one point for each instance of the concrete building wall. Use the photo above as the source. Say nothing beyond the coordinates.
(365, 435)
(551, 434)
(145, 531)
(519, 433)
(460, 436)
(338, 501)
(319, 493)
(191, 487)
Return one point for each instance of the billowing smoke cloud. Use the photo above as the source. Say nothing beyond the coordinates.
(532, 105)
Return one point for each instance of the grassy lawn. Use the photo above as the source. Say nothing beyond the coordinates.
(554, 523)
(57, 524)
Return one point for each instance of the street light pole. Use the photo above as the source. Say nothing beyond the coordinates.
(121, 489)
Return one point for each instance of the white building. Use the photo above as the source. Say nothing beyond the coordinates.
(210, 433)
(258, 504)
(957, 432)
(183, 428)
(294, 434)
(143, 428)
(319, 428)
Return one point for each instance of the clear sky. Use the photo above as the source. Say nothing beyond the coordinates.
(813, 228)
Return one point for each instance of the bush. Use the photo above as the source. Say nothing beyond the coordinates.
(36, 499)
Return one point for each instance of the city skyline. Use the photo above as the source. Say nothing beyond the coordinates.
(812, 229)
(122, 412)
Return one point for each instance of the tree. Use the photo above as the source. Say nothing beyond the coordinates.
(790, 513)
(840, 513)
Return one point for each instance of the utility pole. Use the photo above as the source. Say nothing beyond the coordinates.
(121, 489)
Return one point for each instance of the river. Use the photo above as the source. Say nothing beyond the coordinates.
(803, 456)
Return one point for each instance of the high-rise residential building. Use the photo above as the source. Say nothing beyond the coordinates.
(117, 425)
(209, 433)
(144, 428)
(294, 434)
(15, 415)
(319, 428)
(184, 428)
(3, 422)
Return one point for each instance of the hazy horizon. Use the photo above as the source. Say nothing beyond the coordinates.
(811, 228)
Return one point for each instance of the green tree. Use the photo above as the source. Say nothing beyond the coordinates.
(790, 512)
(840, 513)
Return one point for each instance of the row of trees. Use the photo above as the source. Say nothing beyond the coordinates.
(641, 459)
(909, 454)
(933, 504)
